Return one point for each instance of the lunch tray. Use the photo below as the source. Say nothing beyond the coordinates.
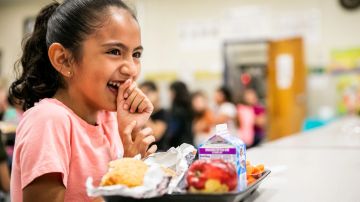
(192, 197)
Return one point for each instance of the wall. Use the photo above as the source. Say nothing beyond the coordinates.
(12, 16)
(335, 28)
(161, 21)
(338, 27)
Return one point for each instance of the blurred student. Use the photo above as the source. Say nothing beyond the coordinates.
(225, 111)
(158, 118)
(11, 118)
(252, 114)
(4, 169)
(13, 112)
(203, 117)
(180, 116)
(3, 99)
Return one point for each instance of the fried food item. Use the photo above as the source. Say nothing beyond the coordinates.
(253, 172)
(125, 171)
(250, 179)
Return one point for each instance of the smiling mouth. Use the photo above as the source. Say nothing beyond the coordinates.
(114, 85)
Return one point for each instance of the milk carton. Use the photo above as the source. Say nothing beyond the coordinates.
(229, 148)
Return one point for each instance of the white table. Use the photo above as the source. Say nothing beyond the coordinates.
(342, 133)
(322, 165)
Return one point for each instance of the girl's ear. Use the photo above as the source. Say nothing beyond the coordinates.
(60, 59)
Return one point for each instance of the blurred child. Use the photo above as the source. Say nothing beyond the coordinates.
(203, 117)
(4, 169)
(225, 111)
(180, 116)
(158, 118)
(13, 113)
(79, 66)
(257, 118)
(3, 99)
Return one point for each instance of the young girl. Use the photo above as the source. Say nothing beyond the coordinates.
(180, 116)
(250, 99)
(78, 67)
(158, 118)
(203, 117)
(225, 110)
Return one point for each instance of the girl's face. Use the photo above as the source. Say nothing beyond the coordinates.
(199, 103)
(109, 55)
(250, 97)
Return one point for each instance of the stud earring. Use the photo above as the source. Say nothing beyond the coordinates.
(69, 73)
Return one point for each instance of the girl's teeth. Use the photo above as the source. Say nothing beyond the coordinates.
(114, 84)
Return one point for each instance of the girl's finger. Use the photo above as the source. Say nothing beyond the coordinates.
(130, 99)
(135, 104)
(137, 100)
(142, 134)
(125, 135)
(145, 143)
(146, 106)
(130, 89)
(143, 139)
(122, 90)
(151, 150)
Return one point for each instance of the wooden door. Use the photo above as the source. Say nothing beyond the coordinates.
(286, 99)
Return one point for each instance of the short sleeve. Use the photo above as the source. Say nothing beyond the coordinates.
(111, 130)
(44, 145)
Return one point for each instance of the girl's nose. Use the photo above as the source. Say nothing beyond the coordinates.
(130, 68)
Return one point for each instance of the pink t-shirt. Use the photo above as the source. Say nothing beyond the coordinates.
(52, 138)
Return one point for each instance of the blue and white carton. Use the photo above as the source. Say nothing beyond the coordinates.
(229, 148)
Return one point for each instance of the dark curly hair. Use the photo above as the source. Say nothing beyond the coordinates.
(68, 24)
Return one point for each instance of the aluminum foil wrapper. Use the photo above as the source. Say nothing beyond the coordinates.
(156, 183)
(177, 159)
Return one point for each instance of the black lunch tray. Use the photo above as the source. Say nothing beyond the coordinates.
(191, 197)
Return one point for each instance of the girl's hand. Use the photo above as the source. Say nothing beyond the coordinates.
(140, 143)
(133, 111)
(132, 105)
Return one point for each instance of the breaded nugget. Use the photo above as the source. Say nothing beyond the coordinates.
(126, 171)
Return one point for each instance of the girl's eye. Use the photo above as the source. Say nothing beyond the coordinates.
(137, 55)
(114, 52)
